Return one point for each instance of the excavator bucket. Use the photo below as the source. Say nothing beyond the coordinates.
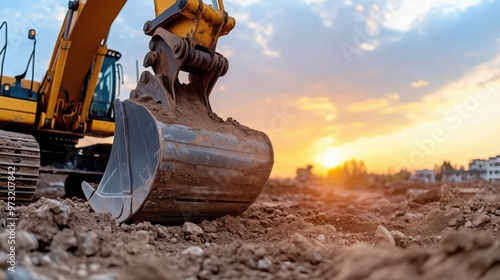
(173, 159)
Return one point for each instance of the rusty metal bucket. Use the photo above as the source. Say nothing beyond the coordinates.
(168, 172)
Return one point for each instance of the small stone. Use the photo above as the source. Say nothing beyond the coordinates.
(195, 250)
(88, 243)
(300, 241)
(81, 273)
(484, 239)
(321, 238)
(173, 240)
(382, 235)
(480, 219)
(411, 217)
(61, 211)
(94, 267)
(399, 237)
(64, 240)
(125, 227)
(260, 252)
(322, 216)
(3, 260)
(468, 224)
(192, 229)
(278, 212)
(26, 241)
(142, 237)
(331, 228)
(20, 273)
(101, 277)
(213, 235)
(35, 260)
(264, 264)
(291, 217)
(209, 228)
(161, 233)
(453, 222)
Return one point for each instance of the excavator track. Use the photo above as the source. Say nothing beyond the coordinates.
(19, 167)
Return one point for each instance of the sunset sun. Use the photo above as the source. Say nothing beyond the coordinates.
(330, 158)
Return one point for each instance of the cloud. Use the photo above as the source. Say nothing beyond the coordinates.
(242, 3)
(420, 83)
(320, 105)
(325, 10)
(454, 96)
(225, 50)
(405, 15)
(263, 33)
(378, 105)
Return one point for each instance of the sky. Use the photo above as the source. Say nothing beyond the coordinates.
(398, 84)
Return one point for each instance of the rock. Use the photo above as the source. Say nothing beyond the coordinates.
(195, 250)
(455, 241)
(483, 239)
(291, 217)
(161, 233)
(82, 273)
(301, 242)
(424, 196)
(141, 237)
(382, 235)
(480, 219)
(125, 227)
(411, 217)
(468, 224)
(264, 264)
(3, 260)
(101, 277)
(24, 240)
(321, 238)
(191, 229)
(61, 211)
(94, 267)
(20, 274)
(150, 268)
(322, 216)
(88, 243)
(209, 228)
(399, 237)
(331, 228)
(64, 240)
(260, 252)
(213, 235)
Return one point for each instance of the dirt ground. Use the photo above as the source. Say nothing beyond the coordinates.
(293, 231)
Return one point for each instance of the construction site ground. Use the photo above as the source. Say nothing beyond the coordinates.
(293, 231)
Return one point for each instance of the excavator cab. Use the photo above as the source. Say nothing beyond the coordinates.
(173, 159)
(107, 88)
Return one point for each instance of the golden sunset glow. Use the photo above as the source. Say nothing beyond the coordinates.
(388, 92)
(330, 158)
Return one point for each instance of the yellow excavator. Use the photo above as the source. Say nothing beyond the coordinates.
(172, 158)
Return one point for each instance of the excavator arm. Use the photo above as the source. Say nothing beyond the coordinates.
(172, 158)
(69, 85)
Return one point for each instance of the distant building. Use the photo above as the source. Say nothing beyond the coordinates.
(493, 169)
(304, 174)
(483, 169)
(427, 176)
